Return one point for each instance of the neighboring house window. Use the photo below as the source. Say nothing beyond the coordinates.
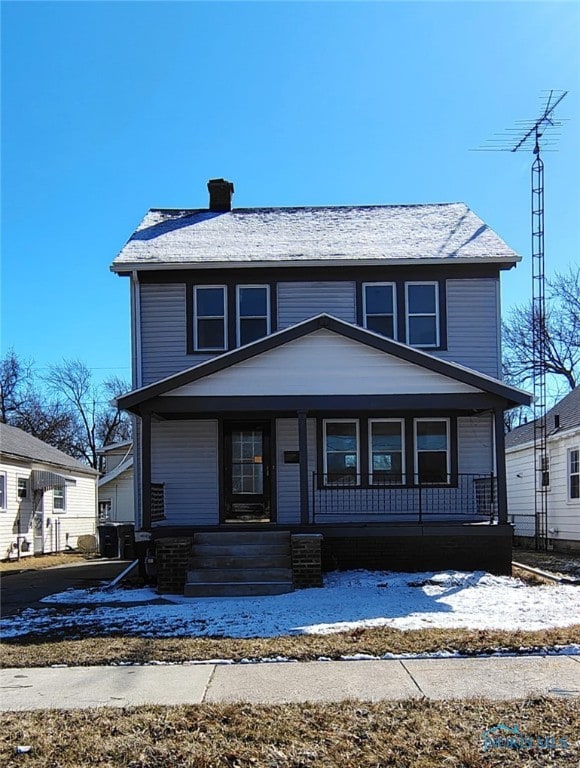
(2, 490)
(253, 313)
(432, 458)
(545, 471)
(209, 318)
(22, 488)
(59, 500)
(574, 473)
(380, 308)
(341, 452)
(422, 314)
(386, 451)
(105, 507)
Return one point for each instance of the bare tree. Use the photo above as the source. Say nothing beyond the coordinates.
(561, 337)
(99, 420)
(15, 382)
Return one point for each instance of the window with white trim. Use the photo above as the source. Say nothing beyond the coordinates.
(59, 499)
(386, 452)
(22, 487)
(341, 451)
(422, 314)
(210, 318)
(3, 491)
(574, 474)
(380, 308)
(432, 454)
(253, 313)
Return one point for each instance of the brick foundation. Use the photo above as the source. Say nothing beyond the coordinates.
(307, 560)
(171, 557)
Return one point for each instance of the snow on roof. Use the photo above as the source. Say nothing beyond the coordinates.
(568, 409)
(444, 232)
(18, 444)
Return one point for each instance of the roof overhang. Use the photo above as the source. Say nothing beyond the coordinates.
(479, 389)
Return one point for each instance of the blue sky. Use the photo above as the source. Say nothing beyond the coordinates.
(109, 108)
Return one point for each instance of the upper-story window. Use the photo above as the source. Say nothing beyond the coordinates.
(380, 308)
(422, 315)
(210, 318)
(252, 312)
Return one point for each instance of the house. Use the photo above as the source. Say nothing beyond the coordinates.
(47, 499)
(321, 380)
(116, 497)
(559, 473)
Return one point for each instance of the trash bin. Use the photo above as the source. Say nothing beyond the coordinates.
(117, 540)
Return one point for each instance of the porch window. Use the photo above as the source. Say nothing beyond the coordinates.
(253, 313)
(59, 500)
(574, 473)
(380, 308)
(422, 305)
(210, 318)
(432, 463)
(341, 452)
(386, 452)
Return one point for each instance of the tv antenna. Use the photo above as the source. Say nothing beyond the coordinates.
(537, 135)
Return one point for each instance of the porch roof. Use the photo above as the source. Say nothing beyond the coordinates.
(443, 384)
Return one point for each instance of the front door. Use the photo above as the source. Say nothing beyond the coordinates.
(38, 521)
(247, 472)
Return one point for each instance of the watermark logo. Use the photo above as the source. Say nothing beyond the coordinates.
(503, 736)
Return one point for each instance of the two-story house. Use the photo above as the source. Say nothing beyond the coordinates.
(329, 376)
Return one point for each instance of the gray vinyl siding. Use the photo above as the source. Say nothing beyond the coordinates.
(475, 449)
(164, 332)
(298, 301)
(473, 328)
(185, 458)
(288, 475)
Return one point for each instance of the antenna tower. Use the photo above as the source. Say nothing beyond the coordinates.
(534, 135)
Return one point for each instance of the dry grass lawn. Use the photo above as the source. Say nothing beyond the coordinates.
(375, 642)
(38, 562)
(413, 734)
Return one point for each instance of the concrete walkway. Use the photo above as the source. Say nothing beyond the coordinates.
(277, 683)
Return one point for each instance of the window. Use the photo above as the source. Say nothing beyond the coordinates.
(545, 469)
(59, 500)
(253, 309)
(105, 507)
(386, 451)
(380, 308)
(22, 488)
(210, 318)
(2, 490)
(574, 473)
(432, 450)
(341, 452)
(422, 303)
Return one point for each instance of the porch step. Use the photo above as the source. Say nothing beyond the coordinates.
(239, 563)
(221, 538)
(248, 575)
(210, 560)
(243, 589)
(240, 550)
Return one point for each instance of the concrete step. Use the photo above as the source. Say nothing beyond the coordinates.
(240, 550)
(248, 575)
(222, 538)
(241, 561)
(238, 589)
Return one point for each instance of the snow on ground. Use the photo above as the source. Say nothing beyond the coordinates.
(349, 600)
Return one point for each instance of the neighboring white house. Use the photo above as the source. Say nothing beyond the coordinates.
(560, 472)
(47, 498)
(116, 494)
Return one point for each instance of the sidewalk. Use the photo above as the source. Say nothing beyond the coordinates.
(497, 678)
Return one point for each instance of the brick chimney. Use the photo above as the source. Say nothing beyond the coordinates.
(220, 194)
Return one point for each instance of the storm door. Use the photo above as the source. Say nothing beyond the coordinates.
(246, 472)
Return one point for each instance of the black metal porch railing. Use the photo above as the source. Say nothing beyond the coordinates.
(351, 498)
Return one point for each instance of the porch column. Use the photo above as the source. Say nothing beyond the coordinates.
(146, 471)
(499, 434)
(303, 453)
